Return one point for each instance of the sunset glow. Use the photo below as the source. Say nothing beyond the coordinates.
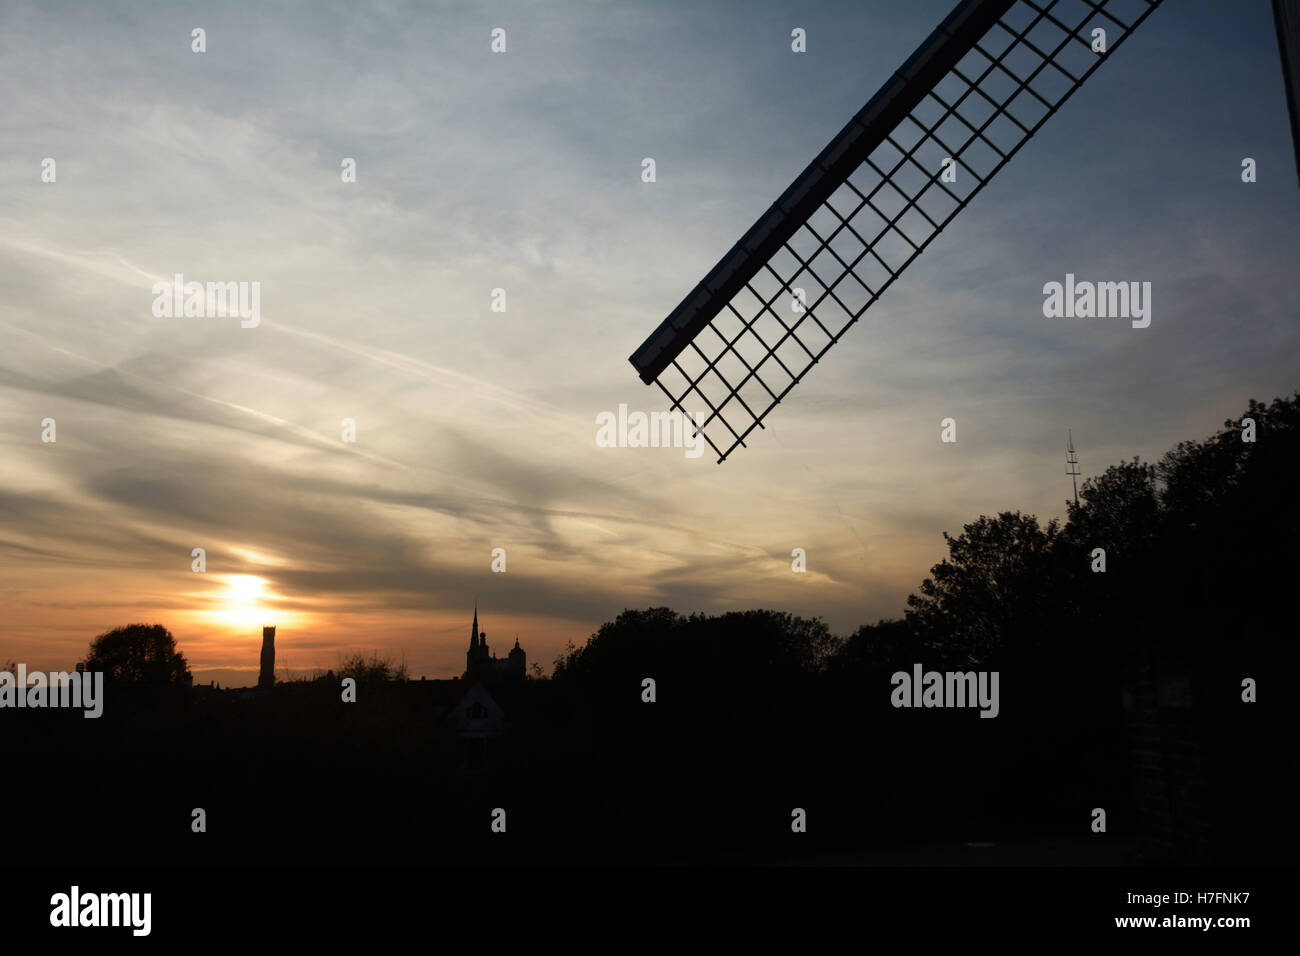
(242, 601)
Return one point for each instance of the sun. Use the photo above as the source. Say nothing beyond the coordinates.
(245, 587)
(240, 604)
(245, 603)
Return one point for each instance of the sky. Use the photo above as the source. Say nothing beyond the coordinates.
(475, 429)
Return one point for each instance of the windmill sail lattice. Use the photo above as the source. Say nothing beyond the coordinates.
(975, 91)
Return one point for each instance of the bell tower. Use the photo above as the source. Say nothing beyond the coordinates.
(266, 679)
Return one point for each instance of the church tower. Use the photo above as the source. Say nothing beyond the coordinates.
(472, 655)
(517, 661)
(481, 664)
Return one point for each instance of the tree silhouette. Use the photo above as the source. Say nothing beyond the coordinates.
(992, 592)
(372, 670)
(142, 654)
(887, 645)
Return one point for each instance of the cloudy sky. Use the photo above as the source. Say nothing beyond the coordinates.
(476, 429)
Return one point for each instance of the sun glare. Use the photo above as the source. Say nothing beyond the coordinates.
(240, 604)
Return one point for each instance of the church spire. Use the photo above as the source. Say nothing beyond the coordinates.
(473, 633)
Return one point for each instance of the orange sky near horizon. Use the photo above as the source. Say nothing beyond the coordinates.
(217, 621)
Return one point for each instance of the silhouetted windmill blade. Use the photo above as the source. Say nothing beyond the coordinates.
(1286, 21)
(975, 91)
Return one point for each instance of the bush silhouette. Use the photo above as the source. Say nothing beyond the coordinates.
(140, 654)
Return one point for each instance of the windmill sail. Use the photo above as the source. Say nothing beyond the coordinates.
(974, 92)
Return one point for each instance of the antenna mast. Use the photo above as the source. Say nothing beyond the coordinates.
(1072, 465)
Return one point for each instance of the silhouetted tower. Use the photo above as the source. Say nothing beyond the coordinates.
(1072, 465)
(482, 664)
(472, 655)
(267, 677)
